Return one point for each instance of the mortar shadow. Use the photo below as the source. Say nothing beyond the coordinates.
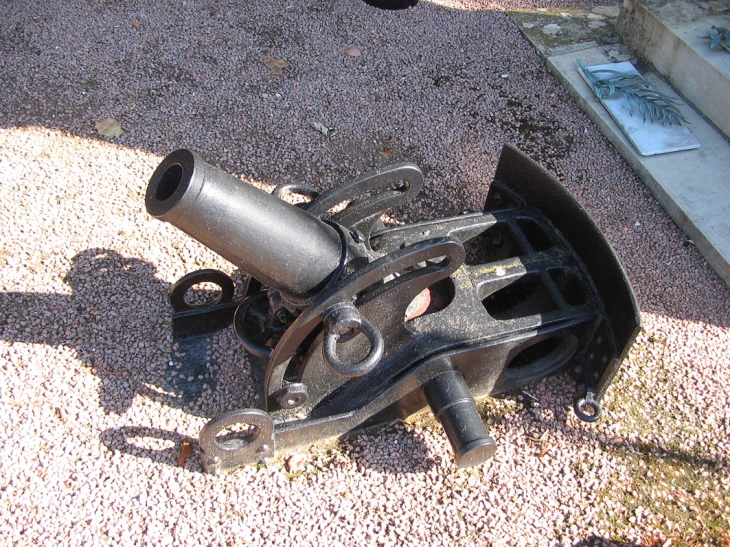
(596, 541)
(117, 320)
(559, 423)
(158, 445)
(388, 449)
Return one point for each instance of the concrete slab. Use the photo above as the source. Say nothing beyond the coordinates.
(693, 186)
(665, 33)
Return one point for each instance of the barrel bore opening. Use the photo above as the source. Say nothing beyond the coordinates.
(169, 182)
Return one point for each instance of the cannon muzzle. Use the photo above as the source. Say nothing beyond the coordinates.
(281, 245)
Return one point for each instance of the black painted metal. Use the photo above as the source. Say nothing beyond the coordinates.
(537, 188)
(451, 402)
(190, 320)
(296, 254)
(351, 324)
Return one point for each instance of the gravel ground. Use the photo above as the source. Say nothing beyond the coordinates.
(94, 419)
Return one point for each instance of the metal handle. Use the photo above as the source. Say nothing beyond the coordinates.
(344, 322)
(370, 195)
(588, 402)
(452, 404)
(224, 455)
(293, 188)
(378, 179)
(177, 293)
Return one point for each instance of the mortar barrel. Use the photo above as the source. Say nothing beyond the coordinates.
(279, 244)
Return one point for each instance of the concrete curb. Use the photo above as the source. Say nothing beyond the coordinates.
(693, 186)
(666, 34)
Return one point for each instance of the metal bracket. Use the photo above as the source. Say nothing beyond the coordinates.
(189, 320)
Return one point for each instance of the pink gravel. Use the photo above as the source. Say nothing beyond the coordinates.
(91, 429)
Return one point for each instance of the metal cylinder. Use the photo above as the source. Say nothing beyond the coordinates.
(279, 244)
(451, 402)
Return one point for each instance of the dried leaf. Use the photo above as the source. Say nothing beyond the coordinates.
(109, 127)
(275, 65)
(135, 23)
(296, 463)
(186, 450)
(326, 131)
(391, 139)
(540, 439)
(386, 151)
(353, 51)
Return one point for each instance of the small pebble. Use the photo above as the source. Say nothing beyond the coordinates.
(296, 463)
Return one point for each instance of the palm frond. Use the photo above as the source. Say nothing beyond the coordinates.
(721, 37)
(638, 93)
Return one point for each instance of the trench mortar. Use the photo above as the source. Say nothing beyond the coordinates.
(351, 324)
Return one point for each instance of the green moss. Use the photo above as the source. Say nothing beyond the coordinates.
(494, 411)
(684, 498)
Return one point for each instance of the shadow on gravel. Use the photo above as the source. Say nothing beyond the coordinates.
(117, 320)
(658, 453)
(595, 541)
(393, 449)
(158, 445)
